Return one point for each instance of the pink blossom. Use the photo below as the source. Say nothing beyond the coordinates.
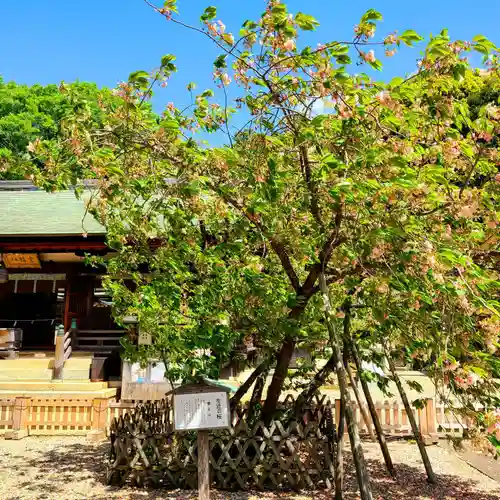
(485, 136)
(369, 56)
(222, 27)
(289, 44)
(171, 107)
(376, 252)
(383, 98)
(467, 211)
(390, 40)
(495, 430)
(213, 29)
(497, 178)
(226, 79)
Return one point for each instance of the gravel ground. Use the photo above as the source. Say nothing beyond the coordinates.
(72, 468)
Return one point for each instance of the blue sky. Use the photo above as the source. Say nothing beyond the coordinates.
(46, 41)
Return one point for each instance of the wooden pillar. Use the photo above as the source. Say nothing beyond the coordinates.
(337, 413)
(432, 436)
(203, 466)
(99, 419)
(20, 419)
(59, 354)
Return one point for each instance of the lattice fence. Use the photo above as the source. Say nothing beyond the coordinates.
(145, 450)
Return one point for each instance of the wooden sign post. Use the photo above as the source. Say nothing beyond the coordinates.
(201, 407)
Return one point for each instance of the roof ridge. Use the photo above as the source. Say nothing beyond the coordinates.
(25, 185)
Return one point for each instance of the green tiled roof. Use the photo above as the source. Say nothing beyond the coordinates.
(38, 213)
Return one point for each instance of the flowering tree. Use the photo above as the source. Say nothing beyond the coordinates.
(387, 202)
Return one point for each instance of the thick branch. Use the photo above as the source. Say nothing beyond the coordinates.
(245, 387)
(281, 252)
(276, 245)
(311, 185)
(333, 241)
(318, 380)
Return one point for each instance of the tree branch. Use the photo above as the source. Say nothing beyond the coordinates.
(281, 252)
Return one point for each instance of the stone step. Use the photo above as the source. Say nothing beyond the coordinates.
(41, 368)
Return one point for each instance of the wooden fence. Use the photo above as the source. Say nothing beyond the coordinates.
(25, 416)
(34, 416)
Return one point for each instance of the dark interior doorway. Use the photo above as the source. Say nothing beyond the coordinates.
(34, 314)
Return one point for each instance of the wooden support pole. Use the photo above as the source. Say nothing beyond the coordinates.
(352, 429)
(361, 406)
(20, 419)
(99, 419)
(373, 411)
(431, 476)
(203, 466)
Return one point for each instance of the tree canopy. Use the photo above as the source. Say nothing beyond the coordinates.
(34, 113)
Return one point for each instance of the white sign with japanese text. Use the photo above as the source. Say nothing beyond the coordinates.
(207, 410)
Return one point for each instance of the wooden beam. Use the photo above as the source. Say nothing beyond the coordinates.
(53, 246)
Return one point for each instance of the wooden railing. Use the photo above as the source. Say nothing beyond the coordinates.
(62, 352)
(67, 345)
(79, 416)
(98, 340)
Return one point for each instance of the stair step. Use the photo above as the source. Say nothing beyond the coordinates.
(70, 394)
(52, 385)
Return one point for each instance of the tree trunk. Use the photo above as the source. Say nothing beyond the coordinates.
(319, 379)
(362, 409)
(431, 477)
(352, 429)
(245, 387)
(280, 373)
(373, 412)
(338, 462)
(283, 360)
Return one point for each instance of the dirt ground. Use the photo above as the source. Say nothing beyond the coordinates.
(72, 468)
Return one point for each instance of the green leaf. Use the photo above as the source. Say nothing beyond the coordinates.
(170, 124)
(166, 62)
(409, 37)
(413, 384)
(371, 15)
(376, 65)
(306, 22)
(221, 62)
(209, 14)
(343, 59)
(396, 81)
(279, 13)
(139, 78)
